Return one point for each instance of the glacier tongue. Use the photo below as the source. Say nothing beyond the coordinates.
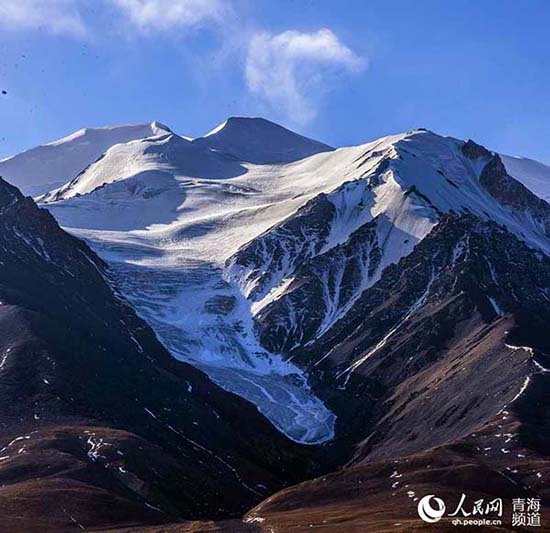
(203, 320)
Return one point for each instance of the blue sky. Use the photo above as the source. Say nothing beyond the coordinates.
(343, 72)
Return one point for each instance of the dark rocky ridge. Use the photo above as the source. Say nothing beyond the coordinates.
(299, 314)
(438, 295)
(512, 193)
(382, 495)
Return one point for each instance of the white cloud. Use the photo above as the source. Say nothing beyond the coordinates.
(289, 70)
(169, 14)
(55, 16)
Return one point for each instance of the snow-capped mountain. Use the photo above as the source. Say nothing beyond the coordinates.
(388, 300)
(236, 264)
(153, 190)
(41, 169)
(327, 253)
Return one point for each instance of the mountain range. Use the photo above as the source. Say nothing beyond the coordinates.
(191, 325)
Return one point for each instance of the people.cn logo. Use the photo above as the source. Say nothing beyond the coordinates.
(428, 512)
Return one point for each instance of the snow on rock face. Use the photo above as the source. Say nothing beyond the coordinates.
(320, 292)
(274, 256)
(259, 141)
(534, 175)
(39, 170)
(234, 263)
(463, 257)
(401, 190)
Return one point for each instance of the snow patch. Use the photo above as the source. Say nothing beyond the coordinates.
(496, 307)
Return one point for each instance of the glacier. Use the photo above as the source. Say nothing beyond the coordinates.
(165, 213)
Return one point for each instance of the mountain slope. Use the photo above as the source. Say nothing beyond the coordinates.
(439, 370)
(95, 411)
(41, 169)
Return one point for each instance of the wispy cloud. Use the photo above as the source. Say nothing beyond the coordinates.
(291, 70)
(287, 72)
(56, 16)
(65, 17)
(171, 14)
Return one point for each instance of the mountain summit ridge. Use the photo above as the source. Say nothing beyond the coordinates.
(250, 139)
(43, 168)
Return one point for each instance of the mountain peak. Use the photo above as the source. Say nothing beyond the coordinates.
(244, 122)
(158, 128)
(260, 141)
